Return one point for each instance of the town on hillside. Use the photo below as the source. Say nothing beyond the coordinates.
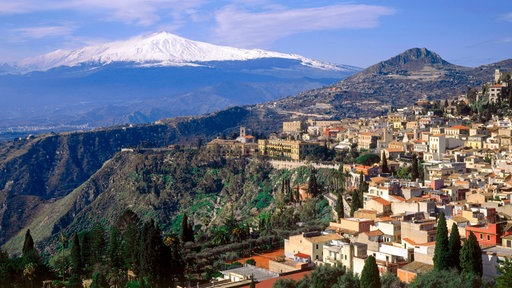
(433, 159)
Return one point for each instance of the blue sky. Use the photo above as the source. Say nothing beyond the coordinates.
(360, 33)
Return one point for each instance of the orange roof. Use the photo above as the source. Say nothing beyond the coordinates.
(302, 255)
(399, 198)
(384, 219)
(460, 127)
(427, 244)
(382, 201)
(270, 282)
(378, 179)
(409, 241)
(374, 233)
(394, 149)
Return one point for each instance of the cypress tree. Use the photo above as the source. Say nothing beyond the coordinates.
(28, 245)
(454, 247)
(114, 249)
(370, 275)
(184, 228)
(97, 245)
(313, 188)
(415, 171)
(340, 208)
(384, 164)
(155, 257)
(471, 256)
(354, 204)
(441, 251)
(76, 258)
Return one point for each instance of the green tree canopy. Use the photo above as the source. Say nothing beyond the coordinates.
(368, 159)
(445, 278)
(471, 256)
(76, 262)
(370, 276)
(504, 278)
(441, 252)
(28, 245)
(454, 247)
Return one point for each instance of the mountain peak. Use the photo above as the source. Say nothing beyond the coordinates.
(412, 60)
(161, 48)
(420, 54)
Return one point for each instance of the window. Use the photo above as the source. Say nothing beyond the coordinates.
(509, 243)
(488, 237)
(481, 236)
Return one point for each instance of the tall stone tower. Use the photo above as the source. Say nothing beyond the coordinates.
(242, 131)
(497, 76)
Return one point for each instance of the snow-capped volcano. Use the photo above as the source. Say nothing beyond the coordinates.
(163, 49)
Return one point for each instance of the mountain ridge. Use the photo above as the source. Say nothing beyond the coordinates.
(160, 49)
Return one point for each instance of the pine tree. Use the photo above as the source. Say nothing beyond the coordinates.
(454, 247)
(370, 276)
(471, 256)
(441, 251)
(28, 245)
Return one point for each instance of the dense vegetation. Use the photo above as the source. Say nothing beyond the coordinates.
(198, 210)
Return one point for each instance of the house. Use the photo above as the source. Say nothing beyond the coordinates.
(419, 230)
(382, 206)
(289, 149)
(357, 225)
(488, 234)
(291, 127)
(310, 244)
(367, 140)
(461, 223)
(408, 272)
(344, 252)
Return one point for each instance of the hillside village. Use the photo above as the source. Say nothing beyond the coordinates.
(463, 170)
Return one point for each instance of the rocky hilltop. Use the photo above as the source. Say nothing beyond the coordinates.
(402, 80)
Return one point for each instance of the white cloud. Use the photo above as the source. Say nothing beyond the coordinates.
(246, 29)
(507, 17)
(38, 32)
(139, 12)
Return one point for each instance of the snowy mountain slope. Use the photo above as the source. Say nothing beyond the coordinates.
(161, 49)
